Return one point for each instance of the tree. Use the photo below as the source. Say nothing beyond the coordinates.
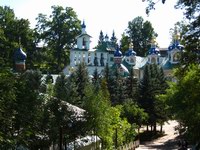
(60, 88)
(124, 42)
(116, 87)
(101, 38)
(7, 111)
(133, 113)
(113, 40)
(140, 33)
(132, 84)
(81, 80)
(152, 84)
(183, 98)
(59, 32)
(105, 120)
(96, 80)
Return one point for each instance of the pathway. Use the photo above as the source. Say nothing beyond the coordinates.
(166, 142)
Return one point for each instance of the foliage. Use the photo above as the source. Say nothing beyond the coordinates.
(116, 86)
(7, 111)
(124, 42)
(133, 113)
(96, 80)
(183, 98)
(132, 84)
(105, 120)
(152, 84)
(58, 32)
(113, 40)
(80, 79)
(60, 88)
(101, 38)
(140, 34)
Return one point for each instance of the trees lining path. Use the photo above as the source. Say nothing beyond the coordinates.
(166, 142)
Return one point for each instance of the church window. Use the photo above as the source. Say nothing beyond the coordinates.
(153, 60)
(176, 57)
(84, 42)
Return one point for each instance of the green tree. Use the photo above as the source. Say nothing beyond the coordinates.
(105, 120)
(140, 33)
(132, 84)
(60, 88)
(96, 80)
(113, 40)
(133, 113)
(124, 42)
(183, 99)
(80, 79)
(116, 87)
(59, 32)
(101, 38)
(7, 111)
(28, 107)
(152, 84)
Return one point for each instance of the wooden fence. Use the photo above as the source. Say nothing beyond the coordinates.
(130, 146)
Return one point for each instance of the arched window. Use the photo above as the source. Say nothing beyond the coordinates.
(84, 42)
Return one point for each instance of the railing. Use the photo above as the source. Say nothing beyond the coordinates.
(130, 146)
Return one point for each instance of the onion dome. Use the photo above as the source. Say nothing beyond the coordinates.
(130, 52)
(154, 51)
(117, 53)
(176, 44)
(19, 55)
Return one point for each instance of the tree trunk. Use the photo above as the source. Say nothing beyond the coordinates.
(161, 127)
(61, 139)
(154, 127)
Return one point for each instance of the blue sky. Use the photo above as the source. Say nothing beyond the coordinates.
(105, 15)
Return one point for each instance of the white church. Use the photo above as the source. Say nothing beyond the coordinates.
(97, 58)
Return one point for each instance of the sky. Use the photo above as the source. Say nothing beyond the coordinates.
(105, 15)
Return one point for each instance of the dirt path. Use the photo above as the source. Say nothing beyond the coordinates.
(167, 142)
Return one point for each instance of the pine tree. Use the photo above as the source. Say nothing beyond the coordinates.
(101, 38)
(152, 84)
(96, 80)
(60, 87)
(116, 87)
(132, 86)
(113, 40)
(81, 80)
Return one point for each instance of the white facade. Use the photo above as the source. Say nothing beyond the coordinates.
(93, 58)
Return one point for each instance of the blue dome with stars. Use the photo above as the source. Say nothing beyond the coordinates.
(154, 51)
(19, 55)
(117, 53)
(130, 52)
(176, 45)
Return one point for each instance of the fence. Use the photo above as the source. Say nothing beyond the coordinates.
(130, 146)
